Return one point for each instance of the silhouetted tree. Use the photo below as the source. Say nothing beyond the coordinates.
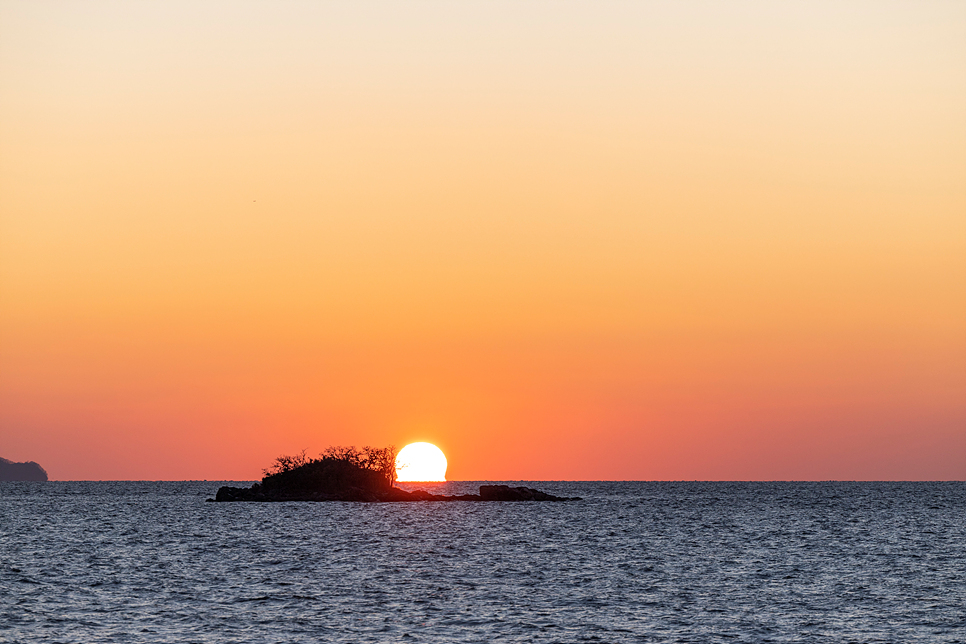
(286, 463)
(382, 460)
(376, 459)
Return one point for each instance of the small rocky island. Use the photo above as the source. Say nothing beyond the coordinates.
(29, 471)
(350, 474)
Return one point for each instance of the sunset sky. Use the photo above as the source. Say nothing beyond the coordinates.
(559, 240)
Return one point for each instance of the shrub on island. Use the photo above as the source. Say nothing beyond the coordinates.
(339, 474)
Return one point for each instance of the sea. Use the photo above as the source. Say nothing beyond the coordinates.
(630, 562)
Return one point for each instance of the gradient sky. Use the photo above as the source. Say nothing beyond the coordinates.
(560, 240)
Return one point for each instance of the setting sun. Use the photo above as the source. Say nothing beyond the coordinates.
(420, 462)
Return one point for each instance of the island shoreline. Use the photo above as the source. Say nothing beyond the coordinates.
(488, 493)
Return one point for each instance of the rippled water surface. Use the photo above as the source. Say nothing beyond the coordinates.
(632, 562)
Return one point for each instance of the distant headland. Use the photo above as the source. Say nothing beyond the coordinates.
(350, 474)
(29, 471)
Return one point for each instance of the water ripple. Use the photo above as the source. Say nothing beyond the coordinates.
(633, 562)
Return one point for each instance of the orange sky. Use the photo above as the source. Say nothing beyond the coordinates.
(669, 240)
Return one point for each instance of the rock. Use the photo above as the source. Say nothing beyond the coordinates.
(464, 497)
(395, 495)
(507, 493)
(29, 471)
(227, 493)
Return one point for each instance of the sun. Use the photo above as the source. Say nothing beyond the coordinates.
(420, 462)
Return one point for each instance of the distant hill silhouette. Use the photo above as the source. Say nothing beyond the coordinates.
(29, 471)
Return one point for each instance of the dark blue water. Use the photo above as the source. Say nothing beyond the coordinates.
(633, 562)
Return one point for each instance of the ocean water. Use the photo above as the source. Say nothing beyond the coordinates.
(632, 562)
